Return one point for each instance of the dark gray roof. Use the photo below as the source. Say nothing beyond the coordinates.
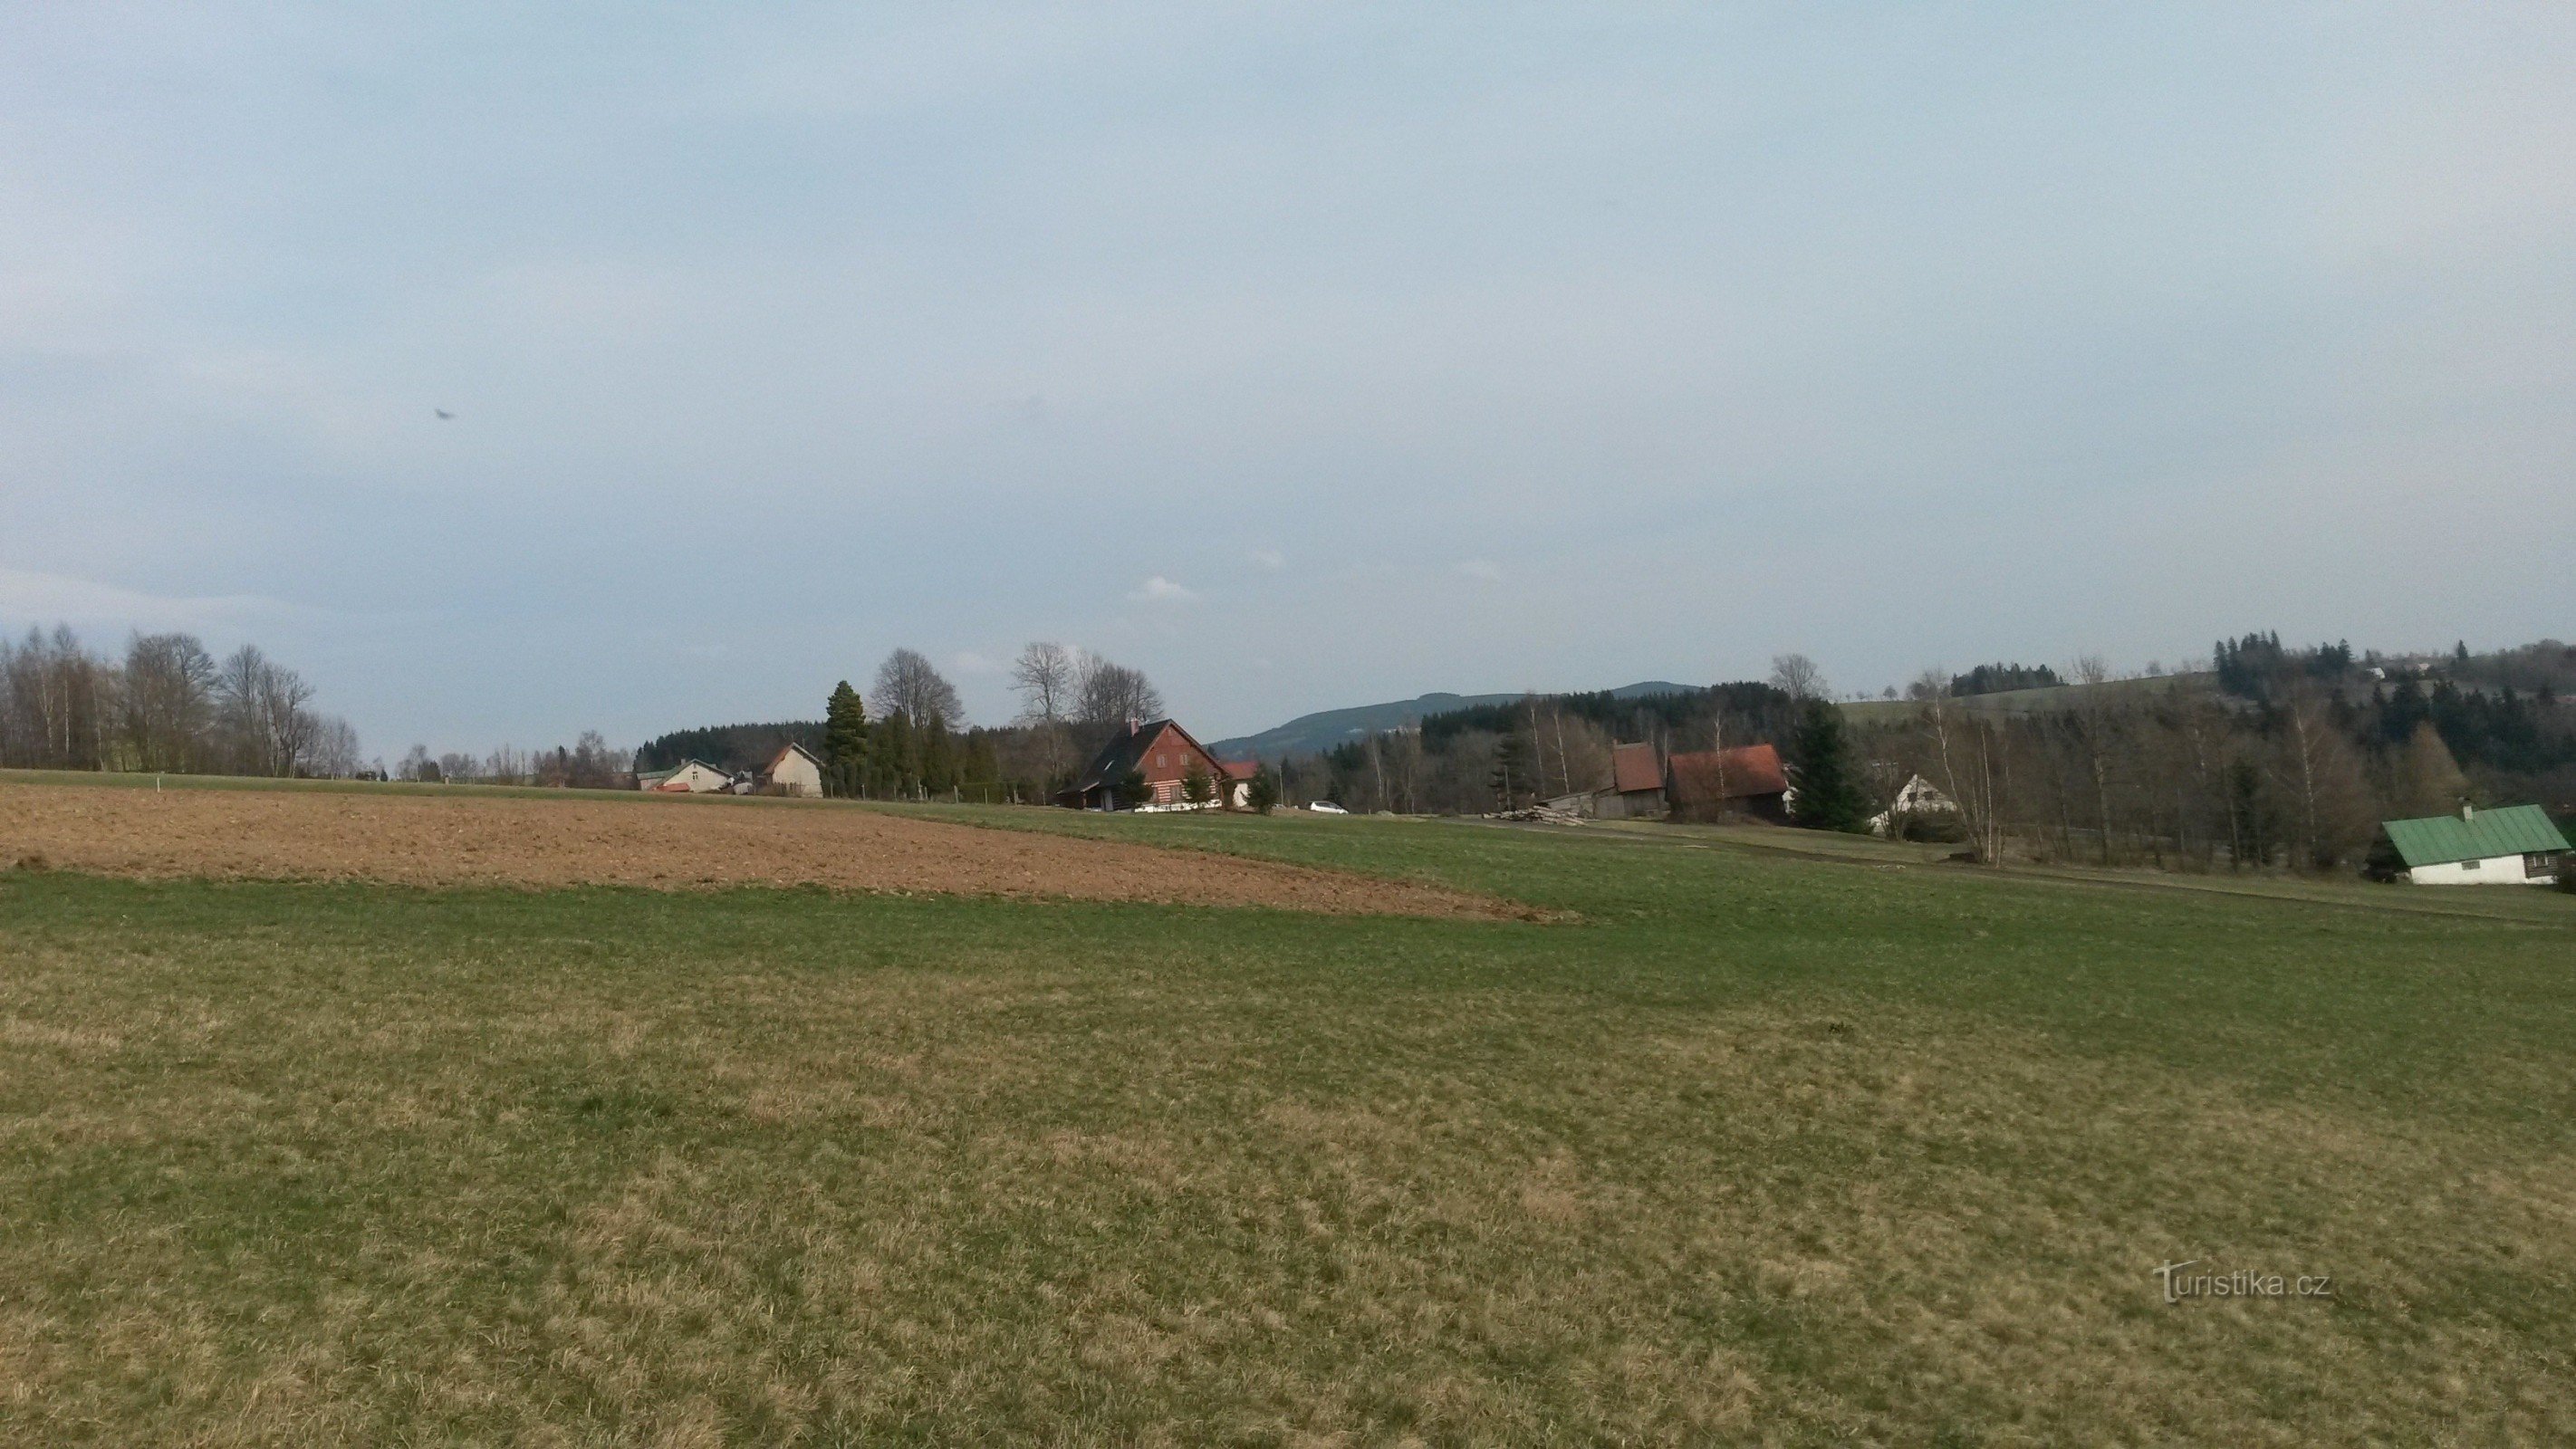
(1122, 754)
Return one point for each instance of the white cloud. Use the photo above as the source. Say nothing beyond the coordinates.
(1160, 590)
(28, 595)
(1269, 558)
(968, 661)
(1482, 568)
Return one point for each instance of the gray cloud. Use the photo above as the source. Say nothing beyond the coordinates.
(1897, 339)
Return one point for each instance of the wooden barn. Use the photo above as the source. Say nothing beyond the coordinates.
(1635, 791)
(1747, 780)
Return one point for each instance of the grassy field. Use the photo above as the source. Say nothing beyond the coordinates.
(2042, 700)
(1752, 1147)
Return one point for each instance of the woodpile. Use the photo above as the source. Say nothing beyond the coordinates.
(1542, 814)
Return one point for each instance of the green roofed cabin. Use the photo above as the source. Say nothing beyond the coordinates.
(2515, 845)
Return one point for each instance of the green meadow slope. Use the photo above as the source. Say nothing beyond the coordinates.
(1748, 1146)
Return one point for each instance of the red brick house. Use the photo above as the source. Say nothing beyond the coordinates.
(1163, 753)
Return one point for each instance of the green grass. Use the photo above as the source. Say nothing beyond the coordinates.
(1760, 1147)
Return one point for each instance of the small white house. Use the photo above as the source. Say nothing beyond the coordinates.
(795, 771)
(1919, 797)
(2515, 845)
(689, 777)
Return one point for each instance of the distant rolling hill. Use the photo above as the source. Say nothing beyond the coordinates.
(1314, 733)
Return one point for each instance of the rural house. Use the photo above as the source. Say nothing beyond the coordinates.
(1164, 754)
(1918, 797)
(2516, 845)
(794, 770)
(1745, 780)
(689, 777)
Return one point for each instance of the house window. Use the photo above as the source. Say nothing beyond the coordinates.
(2471, 864)
(2540, 862)
(1162, 762)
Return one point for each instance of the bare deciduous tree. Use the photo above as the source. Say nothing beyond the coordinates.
(335, 752)
(1965, 751)
(2323, 780)
(907, 681)
(168, 699)
(1109, 693)
(1044, 675)
(167, 705)
(2093, 721)
(1798, 677)
(289, 726)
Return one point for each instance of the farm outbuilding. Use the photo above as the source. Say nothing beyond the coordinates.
(794, 770)
(1711, 784)
(2515, 845)
(689, 777)
(1635, 791)
(1636, 785)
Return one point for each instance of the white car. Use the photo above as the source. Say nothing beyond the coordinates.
(1326, 807)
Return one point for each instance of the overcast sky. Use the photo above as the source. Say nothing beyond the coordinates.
(1302, 355)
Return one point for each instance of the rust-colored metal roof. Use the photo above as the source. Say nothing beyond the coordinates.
(1237, 769)
(1728, 774)
(1634, 767)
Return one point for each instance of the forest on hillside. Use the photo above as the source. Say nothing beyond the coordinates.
(2269, 755)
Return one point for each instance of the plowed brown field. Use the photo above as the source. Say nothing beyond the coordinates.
(675, 844)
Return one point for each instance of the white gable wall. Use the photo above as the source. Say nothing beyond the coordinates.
(2494, 870)
(795, 774)
(694, 779)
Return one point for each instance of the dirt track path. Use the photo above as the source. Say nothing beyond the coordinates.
(674, 844)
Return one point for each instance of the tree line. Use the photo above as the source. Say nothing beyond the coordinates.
(165, 704)
(907, 736)
(1500, 757)
(2267, 756)
(589, 763)
(2276, 756)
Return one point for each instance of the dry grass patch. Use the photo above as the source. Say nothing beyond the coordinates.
(663, 844)
(294, 1165)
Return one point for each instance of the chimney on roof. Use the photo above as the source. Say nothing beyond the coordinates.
(2468, 812)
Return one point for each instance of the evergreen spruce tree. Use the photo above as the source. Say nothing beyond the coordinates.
(979, 766)
(1263, 794)
(1133, 791)
(898, 756)
(1197, 786)
(1829, 795)
(845, 741)
(1515, 772)
(938, 757)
